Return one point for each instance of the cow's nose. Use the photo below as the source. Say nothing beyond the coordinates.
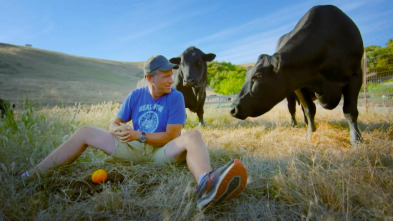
(189, 83)
(233, 111)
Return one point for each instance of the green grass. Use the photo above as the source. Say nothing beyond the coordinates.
(380, 88)
(385, 87)
(290, 178)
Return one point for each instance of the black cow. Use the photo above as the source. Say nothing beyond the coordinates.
(5, 108)
(320, 57)
(191, 78)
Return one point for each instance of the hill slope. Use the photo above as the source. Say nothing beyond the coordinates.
(51, 78)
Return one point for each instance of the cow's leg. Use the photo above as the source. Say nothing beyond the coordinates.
(304, 115)
(292, 108)
(201, 97)
(351, 93)
(200, 117)
(309, 110)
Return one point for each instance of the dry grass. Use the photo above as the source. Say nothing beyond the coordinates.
(290, 178)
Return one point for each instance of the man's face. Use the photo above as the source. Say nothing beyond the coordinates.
(161, 83)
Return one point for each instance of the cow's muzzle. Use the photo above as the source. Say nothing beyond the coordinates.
(236, 113)
(189, 83)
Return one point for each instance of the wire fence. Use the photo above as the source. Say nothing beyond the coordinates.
(220, 101)
(377, 69)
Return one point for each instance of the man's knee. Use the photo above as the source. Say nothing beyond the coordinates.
(193, 135)
(84, 130)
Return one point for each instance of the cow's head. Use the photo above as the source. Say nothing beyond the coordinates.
(193, 66)
(262, 89)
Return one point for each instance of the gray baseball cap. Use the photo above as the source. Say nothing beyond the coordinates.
(158, 62)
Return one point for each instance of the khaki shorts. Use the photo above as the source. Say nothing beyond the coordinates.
(137, 152)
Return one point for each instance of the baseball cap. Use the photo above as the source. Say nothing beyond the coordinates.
(158, 62)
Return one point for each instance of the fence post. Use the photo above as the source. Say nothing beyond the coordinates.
(365, 80)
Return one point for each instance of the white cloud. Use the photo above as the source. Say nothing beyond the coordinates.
(249, 48)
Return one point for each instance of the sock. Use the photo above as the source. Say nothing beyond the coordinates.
(201, 178)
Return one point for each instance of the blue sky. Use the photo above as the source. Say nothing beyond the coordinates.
(236, 31)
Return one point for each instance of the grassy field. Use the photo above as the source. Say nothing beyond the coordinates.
(290, 178)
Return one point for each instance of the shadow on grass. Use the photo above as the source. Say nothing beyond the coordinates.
(280, 188)
(145, 191)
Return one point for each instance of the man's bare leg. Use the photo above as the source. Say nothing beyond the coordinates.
(190, 147)
(75, 146)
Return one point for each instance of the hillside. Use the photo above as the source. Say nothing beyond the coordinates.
(246, 65)
(49, 78)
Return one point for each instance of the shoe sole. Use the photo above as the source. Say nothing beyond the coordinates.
(230, 184)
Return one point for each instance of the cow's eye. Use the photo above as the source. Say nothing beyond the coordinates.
(256, 77)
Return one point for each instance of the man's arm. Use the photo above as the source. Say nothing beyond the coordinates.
(161, 138)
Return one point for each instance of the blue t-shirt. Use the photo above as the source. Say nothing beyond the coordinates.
(153, 115)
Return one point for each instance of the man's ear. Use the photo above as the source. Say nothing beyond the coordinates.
(148, 78)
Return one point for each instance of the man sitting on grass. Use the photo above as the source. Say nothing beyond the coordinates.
(158, 115)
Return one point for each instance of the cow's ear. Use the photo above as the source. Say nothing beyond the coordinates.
(209, 57)
(175, 60)
(275, 62)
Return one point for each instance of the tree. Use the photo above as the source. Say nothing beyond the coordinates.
(380, 59)
(225, 77)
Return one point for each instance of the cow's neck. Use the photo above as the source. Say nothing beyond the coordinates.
(299, 74)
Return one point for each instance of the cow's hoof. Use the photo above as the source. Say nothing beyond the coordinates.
(201, 124)
(355, 142)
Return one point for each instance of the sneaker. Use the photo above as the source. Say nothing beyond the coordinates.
(221, 184)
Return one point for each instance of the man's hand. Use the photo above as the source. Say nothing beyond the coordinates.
(125, 133)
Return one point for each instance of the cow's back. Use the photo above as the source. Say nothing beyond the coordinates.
(323, 36)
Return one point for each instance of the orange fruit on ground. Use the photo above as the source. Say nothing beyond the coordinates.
(99, 176)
